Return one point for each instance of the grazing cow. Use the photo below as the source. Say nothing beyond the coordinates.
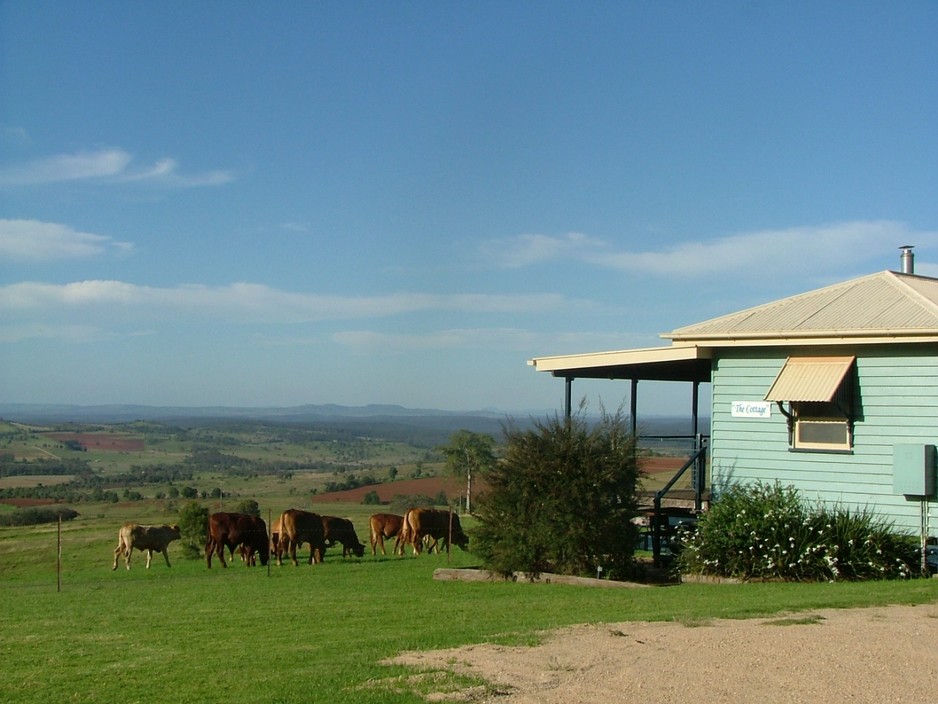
(341, 530)
(298, 527)
(383, 525)
(149, 538)
(420, 523)
(237, 530)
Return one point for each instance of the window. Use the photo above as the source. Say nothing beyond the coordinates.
(819, 392)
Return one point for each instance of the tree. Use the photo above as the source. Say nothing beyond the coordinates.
(250, 507)
(562, 499)
(469, 453)
(193, 528)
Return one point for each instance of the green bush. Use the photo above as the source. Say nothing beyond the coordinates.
(193, 529)
(561, 500)
(36, 515)
(764, 531)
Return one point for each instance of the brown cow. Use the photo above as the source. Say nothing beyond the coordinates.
(149, 538)
(383, 525)
(298, 527)
(420, 523)
(237, 530)
(341, 530)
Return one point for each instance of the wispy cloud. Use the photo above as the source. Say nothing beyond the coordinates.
(105, 165)
(522, 340)
(14, 136)
(63, 332)
(528, 249)
(36, 241)
(246, 302)
(798, 250)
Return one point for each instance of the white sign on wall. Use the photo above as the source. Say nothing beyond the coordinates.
(751, 409)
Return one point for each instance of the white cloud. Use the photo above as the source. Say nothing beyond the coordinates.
(246, 302)
(36, 241)
(528, 249)
(108, 165)
(824, 249)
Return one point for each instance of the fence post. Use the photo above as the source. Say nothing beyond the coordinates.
(58, 556)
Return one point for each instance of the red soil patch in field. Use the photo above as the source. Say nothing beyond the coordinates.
(456, 488)
(658, 465)
(114, 442)
(428, 486)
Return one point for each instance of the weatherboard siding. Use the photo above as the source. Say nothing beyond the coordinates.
(899, 405)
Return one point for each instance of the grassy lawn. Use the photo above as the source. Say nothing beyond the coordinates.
(304, 634)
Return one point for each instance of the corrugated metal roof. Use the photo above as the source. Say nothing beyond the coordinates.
(809, 379)
(675, 363)
(882, 304)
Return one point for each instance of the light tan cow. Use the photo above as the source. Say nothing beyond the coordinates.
(422, 523)
(149, 538)
(383, 525)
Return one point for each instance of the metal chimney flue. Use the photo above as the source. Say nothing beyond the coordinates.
(907, 259)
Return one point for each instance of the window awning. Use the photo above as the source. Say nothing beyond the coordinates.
(810, 379)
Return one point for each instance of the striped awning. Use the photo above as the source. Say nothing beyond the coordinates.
(810, 379)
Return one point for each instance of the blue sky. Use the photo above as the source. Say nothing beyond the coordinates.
(262, 204)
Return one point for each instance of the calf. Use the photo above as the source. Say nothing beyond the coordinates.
(149, 538)
(341, 530)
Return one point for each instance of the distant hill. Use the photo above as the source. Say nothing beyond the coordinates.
(420, 426)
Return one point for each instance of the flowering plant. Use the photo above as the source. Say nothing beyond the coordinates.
(765, 531)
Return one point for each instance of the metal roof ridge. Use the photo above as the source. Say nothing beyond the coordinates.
(898, 280)
(746, 313)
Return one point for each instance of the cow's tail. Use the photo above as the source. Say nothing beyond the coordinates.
(408, 531)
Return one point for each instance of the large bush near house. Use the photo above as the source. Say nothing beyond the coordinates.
(561, 499)
(766, 531)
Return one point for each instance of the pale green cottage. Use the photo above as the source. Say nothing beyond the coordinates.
(834, 391)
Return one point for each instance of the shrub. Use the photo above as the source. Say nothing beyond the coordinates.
(36, 515)
(561, 500)
(249, 507)
(371, 498)
(193, 529)
(764, 531)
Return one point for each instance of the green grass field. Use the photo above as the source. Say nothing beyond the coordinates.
(303, 634)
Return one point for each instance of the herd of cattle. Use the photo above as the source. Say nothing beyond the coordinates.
(418, 527)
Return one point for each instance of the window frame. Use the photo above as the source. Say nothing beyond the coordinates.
(835, 405)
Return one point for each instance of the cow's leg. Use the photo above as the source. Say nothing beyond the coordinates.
(209, 549)
(118, 552)
(292, 548)
(220, 551)
(165, 552)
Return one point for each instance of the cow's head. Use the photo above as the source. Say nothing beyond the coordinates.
(461, 539)
(264, 549)
(174, 529)
(359, 550)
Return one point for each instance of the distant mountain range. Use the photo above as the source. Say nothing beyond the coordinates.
(381, 419)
